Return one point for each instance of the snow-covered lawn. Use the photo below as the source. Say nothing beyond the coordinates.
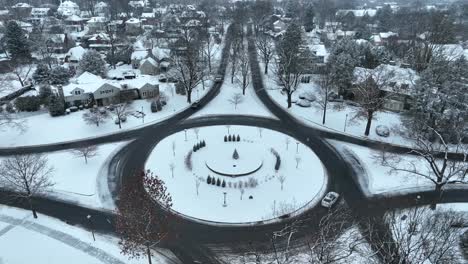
(24, 239)
(377, 178)
(337, 114)
(221, 105)
(303, 186)
(77, 182)
(44, 129)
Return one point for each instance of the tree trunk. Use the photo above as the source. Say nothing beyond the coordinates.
(32, 207)
(148, 253)
(120, 123)
(369, 122)
(266, 67)
(86, 159)
(324, 113)
(438, 193)
(289, 100)
(189, 96)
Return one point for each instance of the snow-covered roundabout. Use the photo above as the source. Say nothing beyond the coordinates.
(238, 174)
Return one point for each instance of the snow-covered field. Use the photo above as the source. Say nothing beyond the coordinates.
(77, 182)
(377, 178)
(221, 105)
(24, 239)
(337, 114)
(303, 186)
(44, 129)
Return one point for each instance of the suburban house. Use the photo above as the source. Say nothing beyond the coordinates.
(149, 66)
(133, 26)
(99, 42)
(149, 91)
(80, 90)
(74, 23)
(395, 83)
(75, 54)
(68, 8)
(137, 57)
(97, 24)
(106, 94)
(58, 43)
(21, 10)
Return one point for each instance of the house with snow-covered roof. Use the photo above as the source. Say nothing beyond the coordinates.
(133, 26)
(97, 24)
(68, 8)
(395, 83)
(149, 66)
(75, 54)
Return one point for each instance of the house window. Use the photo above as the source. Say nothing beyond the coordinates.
(107, 91)
(305, 79)
(77, 92)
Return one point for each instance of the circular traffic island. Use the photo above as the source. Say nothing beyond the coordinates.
(238, 174)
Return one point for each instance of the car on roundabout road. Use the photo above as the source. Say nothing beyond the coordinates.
(330, 199)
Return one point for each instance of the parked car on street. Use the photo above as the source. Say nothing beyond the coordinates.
(195, 105)
(330, 199)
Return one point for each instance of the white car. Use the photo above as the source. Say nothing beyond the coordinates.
(330, 199)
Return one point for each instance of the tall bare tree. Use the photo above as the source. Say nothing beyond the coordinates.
(325, 83)
(27, 176)
(86, 152)
(243, 76)
(140, 225)
(121, 111)
(266, 47)
(439, 167)
(188, 66)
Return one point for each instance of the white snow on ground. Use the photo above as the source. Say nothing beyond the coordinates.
(376, 179)
(351, 238)
(303, 186)
(44, 129)
(337, 114)
(82, 183)
(220, 105)
(47, 240)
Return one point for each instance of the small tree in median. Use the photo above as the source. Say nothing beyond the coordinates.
(95, 116)
(27, 176)
(139, 224)
(236, 99)
(86, 152)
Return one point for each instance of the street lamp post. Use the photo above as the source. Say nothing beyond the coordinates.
(224, 204)
(142, 115)
(297, 147)
(185, 131)
(91, 225)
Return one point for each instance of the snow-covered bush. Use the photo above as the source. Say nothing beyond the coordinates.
(303, 103)
(382, 131)
(308, 96)
(28, 103)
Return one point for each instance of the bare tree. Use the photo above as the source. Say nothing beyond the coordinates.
(86, 152)
(173, 148)
(188, 66)
(236, 99)
(243, 77)
(368, 92)
(27, 176)
(336, 239)
(197, 184)
(237, 45)
(325, 82)
(266, 47)
(196, 131)
(172, 167)
(121, 111)
(95, 116)
(287, 140)
(241, 190)
(138, 223)
(209, 50)
(11, 120)
(439, 168)
(292, 61)
(21, 71)
(281, 178)
(420, 235)
(260, 130)
(298, 160)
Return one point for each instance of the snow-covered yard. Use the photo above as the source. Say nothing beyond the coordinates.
(303, 184)
(41, 128)
(47, 240)
(77, 182)
(377, 179)
(340, 116)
